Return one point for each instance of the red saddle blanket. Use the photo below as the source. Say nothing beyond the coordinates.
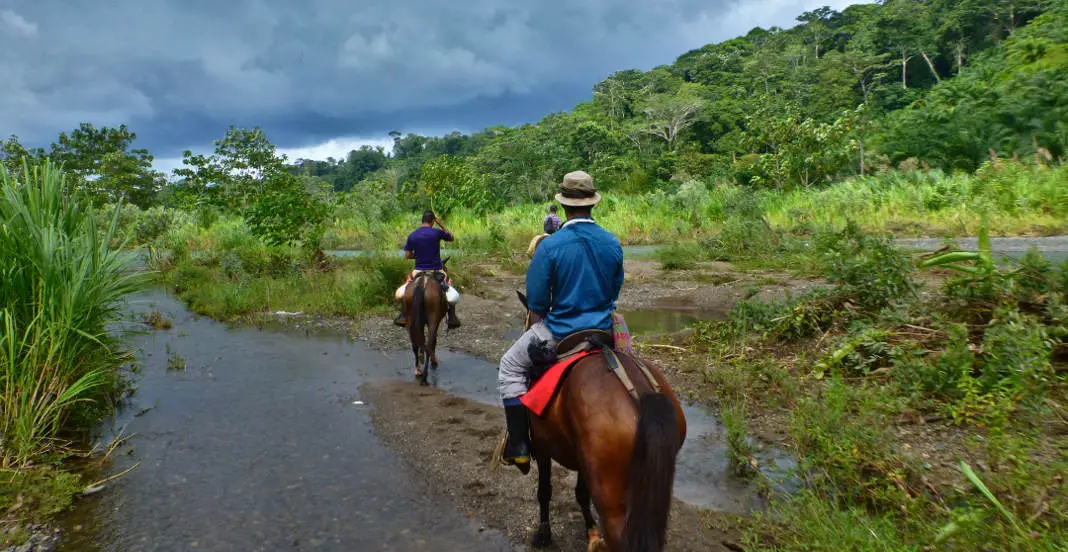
(542, 392)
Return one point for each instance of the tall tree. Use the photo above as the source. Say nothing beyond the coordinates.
(103, 163)
(670, 114)
(246, 175)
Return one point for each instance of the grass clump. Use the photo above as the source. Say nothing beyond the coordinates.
(157, 321)
(61, 284)
(740, 451)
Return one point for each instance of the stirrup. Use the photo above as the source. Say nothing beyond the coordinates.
(522, 462)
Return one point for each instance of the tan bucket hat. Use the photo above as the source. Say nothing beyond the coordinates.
(577, 190)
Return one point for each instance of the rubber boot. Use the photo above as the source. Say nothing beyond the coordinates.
(452, 321)
(517, 449)
(402, 318)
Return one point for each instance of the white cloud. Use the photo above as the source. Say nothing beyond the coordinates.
(338, 148)
(17, 25)
(167, 165)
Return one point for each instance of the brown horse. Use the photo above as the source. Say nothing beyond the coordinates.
(424, 300)
(623, 450)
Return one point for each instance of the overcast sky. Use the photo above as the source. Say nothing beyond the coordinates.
(323, 76)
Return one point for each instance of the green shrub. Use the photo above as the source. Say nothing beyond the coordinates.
(1016, 353)
(155, 222)
(678, 256)
(870, 269)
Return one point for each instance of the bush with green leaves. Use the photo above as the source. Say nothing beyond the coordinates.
(679, 256)
(156, 221)
(1016, 356)
(868, 268)
(844, 433)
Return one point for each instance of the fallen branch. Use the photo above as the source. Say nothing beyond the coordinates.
(116, 443)
(99, 485)
(659, 346)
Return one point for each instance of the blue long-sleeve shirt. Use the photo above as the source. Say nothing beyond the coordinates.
(573, 289)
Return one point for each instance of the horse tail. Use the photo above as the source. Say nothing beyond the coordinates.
(652, 475)
(417, 318)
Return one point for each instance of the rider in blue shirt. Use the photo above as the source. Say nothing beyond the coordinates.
(573, 282)
(575, 277)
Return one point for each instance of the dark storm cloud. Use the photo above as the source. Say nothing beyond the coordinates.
(179, 71)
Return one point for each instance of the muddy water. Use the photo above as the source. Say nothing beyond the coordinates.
(259, 443)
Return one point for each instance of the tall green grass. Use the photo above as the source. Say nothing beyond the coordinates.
(61, 284)
(1020, 199)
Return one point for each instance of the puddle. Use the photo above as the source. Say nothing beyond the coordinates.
(667, 316)
(645, 322)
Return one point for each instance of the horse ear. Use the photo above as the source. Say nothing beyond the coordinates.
(445, 262)
(522, 298)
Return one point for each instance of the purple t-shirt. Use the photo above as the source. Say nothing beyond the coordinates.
(425, 242)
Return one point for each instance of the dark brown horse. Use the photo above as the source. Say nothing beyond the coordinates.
(424, 301)
(623, 450)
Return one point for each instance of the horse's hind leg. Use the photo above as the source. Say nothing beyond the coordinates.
(544, 537)
(608, 489)
(582, 495)
(432, 343)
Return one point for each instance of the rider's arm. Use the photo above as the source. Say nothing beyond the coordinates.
(617, 281)
(409, 251)
(538, 290)
(448, 235)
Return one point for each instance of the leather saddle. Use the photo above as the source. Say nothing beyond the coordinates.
(438, 275)
(584, 340)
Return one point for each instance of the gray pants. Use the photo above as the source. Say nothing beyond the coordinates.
(516, 363)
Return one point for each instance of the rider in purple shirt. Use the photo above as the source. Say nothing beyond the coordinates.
(424, 245)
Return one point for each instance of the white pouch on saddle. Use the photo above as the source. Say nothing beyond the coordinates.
(451, 295)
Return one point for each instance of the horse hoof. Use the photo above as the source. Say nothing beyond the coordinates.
(597, 544)
(544, 537)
